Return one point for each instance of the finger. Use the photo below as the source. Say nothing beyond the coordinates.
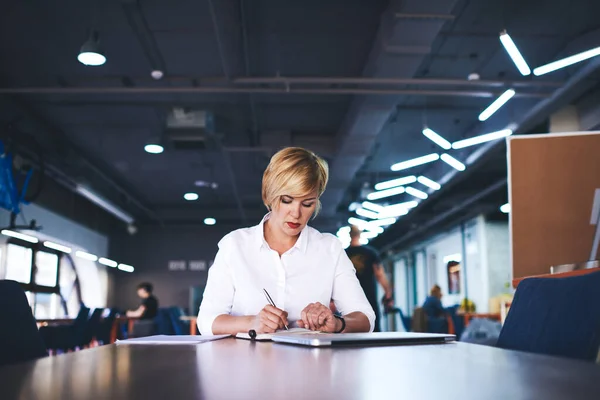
(314, 318)
(272, 317)
(284, 318)
(300, 323)
(323, 317)
(273, 325)
(304, 316)
(274, 310)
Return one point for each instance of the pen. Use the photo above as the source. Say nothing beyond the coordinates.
(271, 302)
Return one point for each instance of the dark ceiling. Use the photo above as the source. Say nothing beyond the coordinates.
(281, 73)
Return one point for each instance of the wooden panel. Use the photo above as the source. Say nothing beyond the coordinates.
(577, 272)
(552, 182)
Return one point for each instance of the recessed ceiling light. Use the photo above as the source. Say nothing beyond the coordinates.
(157, 74)
(210, 221)
(154, 148)
(191, 196)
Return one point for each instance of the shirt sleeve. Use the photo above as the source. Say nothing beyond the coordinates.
(218, 294)
(348, 296)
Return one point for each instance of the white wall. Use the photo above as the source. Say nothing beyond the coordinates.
(498, 258)
(93, 277)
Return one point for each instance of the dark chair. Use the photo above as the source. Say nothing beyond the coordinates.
(164, 325)
(555, 316)
(67, 337)
(179, 327)
(106, 324)
(20, 339)
(92, 327)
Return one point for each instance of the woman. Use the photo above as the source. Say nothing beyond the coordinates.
(299, 267)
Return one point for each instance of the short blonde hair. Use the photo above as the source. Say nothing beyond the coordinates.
(294, 172)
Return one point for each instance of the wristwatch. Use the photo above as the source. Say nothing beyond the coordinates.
(343, 323)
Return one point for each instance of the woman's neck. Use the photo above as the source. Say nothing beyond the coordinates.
(277, 240)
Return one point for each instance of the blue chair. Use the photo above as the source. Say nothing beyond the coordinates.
(180, 327)
(20, 339)
(555, 316)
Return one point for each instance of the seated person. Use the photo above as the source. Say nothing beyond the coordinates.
(301, 268)
(433, 303)
(149, 307)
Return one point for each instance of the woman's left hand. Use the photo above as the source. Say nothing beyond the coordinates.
(318, 317)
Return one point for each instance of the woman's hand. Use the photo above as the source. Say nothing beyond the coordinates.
(269, 320)
(318, 317)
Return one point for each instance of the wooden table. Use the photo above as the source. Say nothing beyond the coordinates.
(469, 316)
(239, 369)
(577, 272)
(193, 321)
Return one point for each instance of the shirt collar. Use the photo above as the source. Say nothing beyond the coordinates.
(301, 244)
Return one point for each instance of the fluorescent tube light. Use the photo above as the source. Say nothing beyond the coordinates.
(488, 137)
(429, 183)
(565, 62)
(357, 222)
(515, 54)
(385, 193)
(383, 222)
(56, 246)
(437, 139)
(105, 204)
(126, 268)
(396, 182)
(416, 192)
(415, 161)
(366, 213)
(210, 221)
(18, 235)
(368, 235)
(372, 206)
(495, 106)
(505, 208)
(86, 256)
(453, 162)
(107, 262)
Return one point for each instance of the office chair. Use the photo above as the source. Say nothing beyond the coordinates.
(20, 339)
(555, 316)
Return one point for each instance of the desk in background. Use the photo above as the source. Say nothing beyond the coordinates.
(192, 319)
(230, 368)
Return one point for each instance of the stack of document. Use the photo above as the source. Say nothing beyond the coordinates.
(172, 339)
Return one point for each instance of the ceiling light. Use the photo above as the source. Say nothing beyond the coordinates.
(18, 235)
(344, 229)
(105, 204)
(453, 162)
(415, 161)
(154, 148)
(488, 137)
(372, 206)
(514, 53)
(396, 182)
(505, 208)
(209, 221)
(353, 206)
(157, 74)
(191, 196)
(383, 222)
(437, 139)
(565, 62)
(373, 228)
(107, 262)
(59, 247)
(385, 193)
(366, 213)
(364, 241)
(416, 192)
(86, 256)
(126, 268)
(368, 235)
(357, 222)
(429, 183)
(91, 53)
(393, 212)
(495, 106)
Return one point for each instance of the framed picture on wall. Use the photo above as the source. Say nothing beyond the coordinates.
(453, 269)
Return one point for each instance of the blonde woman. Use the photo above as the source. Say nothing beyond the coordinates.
(301, 268)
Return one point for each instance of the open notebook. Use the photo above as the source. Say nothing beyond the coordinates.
(265, 337)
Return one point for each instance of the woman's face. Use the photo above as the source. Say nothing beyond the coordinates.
(293, 213)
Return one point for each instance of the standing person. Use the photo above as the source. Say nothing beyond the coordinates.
(301, 268)
(369, 271)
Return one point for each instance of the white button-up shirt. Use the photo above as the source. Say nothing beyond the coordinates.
(315, 269)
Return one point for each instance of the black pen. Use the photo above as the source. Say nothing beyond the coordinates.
(271, 302)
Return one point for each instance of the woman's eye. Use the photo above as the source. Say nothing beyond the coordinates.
(285, 201)
(308, 205)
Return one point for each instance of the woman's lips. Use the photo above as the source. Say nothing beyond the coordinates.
(293, 226)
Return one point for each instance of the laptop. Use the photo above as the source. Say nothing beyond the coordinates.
(315, 339)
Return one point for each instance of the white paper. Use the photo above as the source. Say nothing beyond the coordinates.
(172, 339)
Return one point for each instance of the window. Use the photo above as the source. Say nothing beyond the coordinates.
(46, 268)
(18, 263)
(47, 305)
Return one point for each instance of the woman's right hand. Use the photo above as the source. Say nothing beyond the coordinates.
(269, 320)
